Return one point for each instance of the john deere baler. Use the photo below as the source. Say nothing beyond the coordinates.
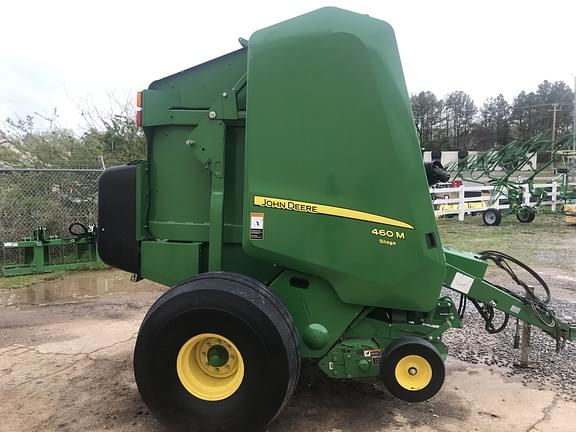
(285, 202)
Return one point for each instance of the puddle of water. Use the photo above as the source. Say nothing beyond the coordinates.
(76, 287)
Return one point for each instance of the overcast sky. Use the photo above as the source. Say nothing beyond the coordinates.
(59, 54)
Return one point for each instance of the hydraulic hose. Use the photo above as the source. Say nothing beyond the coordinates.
(83, 227)
(538, 305)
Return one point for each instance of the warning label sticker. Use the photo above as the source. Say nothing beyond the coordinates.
(256, 226)
(374, 355)
(462, 283)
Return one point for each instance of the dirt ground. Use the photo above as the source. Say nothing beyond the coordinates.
(66, 365)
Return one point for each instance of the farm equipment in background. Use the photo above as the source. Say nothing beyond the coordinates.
(565, 166)
(43, 253)
(269, 202)
(451, 208)
(501, 165)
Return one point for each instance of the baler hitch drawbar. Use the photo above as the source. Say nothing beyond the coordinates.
(466, 276)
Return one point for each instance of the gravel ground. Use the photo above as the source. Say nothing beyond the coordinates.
(473, 344)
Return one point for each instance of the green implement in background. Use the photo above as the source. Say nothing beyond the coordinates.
(41, 253)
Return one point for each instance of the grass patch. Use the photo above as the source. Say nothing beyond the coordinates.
(546, 242)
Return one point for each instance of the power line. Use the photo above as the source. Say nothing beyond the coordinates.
(539, 105)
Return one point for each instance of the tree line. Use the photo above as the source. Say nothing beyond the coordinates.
(454, 122)
(110, 138)
(457, 123)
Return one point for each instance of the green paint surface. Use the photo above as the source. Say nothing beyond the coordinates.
(328, 122)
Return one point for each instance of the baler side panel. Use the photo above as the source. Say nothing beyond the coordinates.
(319, 315)
(332, 154)
(199, 86)
(175, 210)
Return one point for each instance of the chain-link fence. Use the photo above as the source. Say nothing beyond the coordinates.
(53, 198)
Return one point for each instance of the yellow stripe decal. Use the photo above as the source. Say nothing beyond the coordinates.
(306, 207)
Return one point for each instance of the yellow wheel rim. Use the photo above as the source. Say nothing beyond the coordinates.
(413, 372)
(210, 367)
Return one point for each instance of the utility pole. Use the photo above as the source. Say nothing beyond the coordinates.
(555, 109)
(574, 118)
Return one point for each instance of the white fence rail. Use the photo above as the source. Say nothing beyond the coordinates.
(454, 201)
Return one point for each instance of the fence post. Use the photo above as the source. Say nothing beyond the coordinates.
(461, 203)
(554, 195)
(526, 195)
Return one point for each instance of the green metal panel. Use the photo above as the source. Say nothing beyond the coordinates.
(180, 183)
(466, 262)
(333, 161)
(142, 201)
(180, 195)
(320, 316)
(179, 198)
(358, 352)
(191, 189)
(235, 260)
(168, 262)
(199, 86)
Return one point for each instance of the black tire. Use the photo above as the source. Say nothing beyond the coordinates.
(492, 217)
(246, 313)
(525, 215)
(397, 356)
